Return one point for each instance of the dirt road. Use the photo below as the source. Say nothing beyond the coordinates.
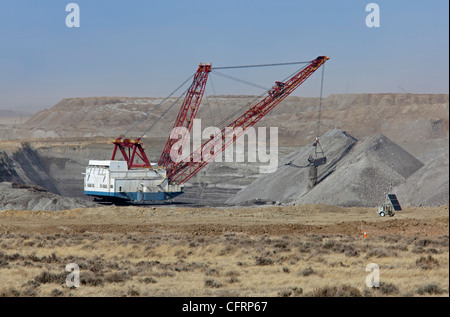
(273, 220)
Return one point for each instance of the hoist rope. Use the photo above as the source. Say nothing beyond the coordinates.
(317, 144)
(320, 102)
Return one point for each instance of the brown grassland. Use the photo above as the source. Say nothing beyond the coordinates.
(269, 251)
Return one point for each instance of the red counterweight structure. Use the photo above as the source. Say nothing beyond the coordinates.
(181, 172)
(129, 149)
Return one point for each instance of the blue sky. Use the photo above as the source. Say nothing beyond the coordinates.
(147, 48)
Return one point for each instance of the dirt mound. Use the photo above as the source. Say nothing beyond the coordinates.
(357, 173)
(23, 165)
(290, 180)
(363, 177)
(15, 196)
(429, 186)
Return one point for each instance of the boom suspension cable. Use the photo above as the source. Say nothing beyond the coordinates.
(240, 80)
(156, 108)
(260, 65)
(215, 95)
(245, 107)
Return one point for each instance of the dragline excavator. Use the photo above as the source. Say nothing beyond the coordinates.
(140, 183)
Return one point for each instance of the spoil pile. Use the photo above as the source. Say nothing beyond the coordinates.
(23, 165)
(14, 196)
(429, 186)
(290, 180)
(363, 176)
(357, 173)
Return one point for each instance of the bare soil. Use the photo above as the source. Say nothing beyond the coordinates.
(308, 250)
(273, 220)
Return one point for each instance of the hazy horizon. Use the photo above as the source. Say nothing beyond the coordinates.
(147, 49)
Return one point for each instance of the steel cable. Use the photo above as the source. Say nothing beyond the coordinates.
(156, 108)
(260, 65)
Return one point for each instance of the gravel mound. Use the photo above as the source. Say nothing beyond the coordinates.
(15, 196)
(357, 173)
(290, 181)
(363, 177)
(429, 186)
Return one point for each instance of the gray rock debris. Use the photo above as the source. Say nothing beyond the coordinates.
(357, 173)
(290, 181)
(15, 196)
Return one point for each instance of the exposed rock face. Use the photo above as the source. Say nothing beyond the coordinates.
(401, 117)
(15, 196)
(24, 166)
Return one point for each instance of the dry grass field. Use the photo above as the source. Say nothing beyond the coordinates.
(269, 251)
